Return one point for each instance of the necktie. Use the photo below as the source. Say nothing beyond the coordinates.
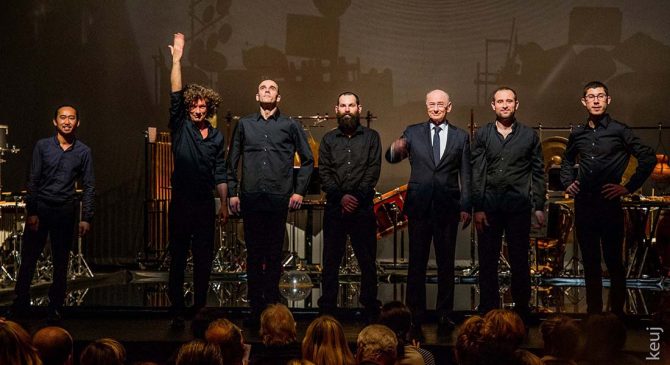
(436, 145)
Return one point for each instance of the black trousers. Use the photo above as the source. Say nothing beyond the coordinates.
(516, 226)
(599, 222)
(264, 237)
(441, 228)
(191, 225)
(361, 227)
(58, 223)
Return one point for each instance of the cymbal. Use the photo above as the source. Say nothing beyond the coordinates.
(552, 150)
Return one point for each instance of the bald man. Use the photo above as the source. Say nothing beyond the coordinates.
(54, 345)
(265, 189)
(438, 198)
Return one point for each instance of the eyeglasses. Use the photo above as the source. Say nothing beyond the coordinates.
(591, 97)
(439, 106)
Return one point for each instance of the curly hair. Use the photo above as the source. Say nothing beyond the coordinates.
(195, 92)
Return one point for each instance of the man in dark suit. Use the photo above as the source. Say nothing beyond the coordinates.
(438, 197)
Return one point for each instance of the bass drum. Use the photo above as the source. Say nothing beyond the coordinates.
(388, 209)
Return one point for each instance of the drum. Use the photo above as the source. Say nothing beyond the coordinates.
(12, 221)
(388, 209)
(551, 248)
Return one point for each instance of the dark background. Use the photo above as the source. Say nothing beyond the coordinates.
(110, 58)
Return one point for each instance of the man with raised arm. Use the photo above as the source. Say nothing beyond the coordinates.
(199, 169)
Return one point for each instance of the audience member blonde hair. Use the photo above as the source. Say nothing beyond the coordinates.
(377, 343)
(277, 325)
(105, 351)
(229, 338)
(16, 347)
(325, 344)
(199, 352)
(504, 327)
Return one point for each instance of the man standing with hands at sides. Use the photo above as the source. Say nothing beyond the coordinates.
(438, 197)
(266, 141)
(349, 166)
(57, 163)
(199, 168)
(508, 183)
(602, 147)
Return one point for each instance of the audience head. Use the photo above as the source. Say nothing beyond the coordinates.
(605, 336)
(229, 338)
(561, 336)
(396, 316)
(505, 328)
(54, 345)
(299, 362)
(16, 348)
(199, 352)
(468, 340)
(105, 351)
(277, 326)
(377, 343)
(325, 344)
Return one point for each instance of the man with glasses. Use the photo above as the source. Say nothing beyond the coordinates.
(508, 184)
(601, 148)
(438, 197)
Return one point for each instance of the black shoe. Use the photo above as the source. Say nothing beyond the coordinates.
(445, 325)
(177, 323)
(53, 316)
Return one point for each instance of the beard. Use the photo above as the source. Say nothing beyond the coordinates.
(348, 122)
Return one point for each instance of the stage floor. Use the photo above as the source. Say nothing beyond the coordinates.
(131, 305)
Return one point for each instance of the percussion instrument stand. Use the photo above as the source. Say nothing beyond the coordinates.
(227, 257)
(78, 266)
(573, 265)
(17, 241)
(292, 259)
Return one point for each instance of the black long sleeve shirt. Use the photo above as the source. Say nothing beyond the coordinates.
(350, 165)
(267, 148)
(53, 173)
(508, 173)
(199, 163)
(603, 153)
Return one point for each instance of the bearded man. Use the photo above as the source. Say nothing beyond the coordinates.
(349, 166)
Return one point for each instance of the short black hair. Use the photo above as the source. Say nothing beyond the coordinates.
(595, 85)
(358, 101)
(76, 111)
(502, 88)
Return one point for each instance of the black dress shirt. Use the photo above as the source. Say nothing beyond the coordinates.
(53, 173)
(267, 148)
(199, 163)
(350, 165)
(513, 179)
(603, 153)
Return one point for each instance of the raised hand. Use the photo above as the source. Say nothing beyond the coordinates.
(177, 47)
